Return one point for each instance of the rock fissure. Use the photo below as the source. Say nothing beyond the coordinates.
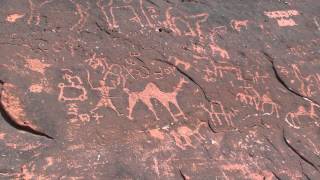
(12, 122)
(282, 82)
(296, 151)
(207, 98)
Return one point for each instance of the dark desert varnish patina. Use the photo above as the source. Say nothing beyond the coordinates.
(159, 89)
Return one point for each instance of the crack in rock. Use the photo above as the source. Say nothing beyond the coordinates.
(296, 151)
(103, 29)
(281, 81)
(116, 35)
(303, 172)
(276, 176)
(210, 127)
(272, 144)
(153, 3)
(188, 77)
(184, 177)
(14, 123)
(196, 83)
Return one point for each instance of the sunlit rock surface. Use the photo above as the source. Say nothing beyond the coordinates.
(159, 89)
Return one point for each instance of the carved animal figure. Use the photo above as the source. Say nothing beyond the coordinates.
(292, 118)
(218, 114)
(152, 91)
(252, 97)
(309, 85)
(185, 133)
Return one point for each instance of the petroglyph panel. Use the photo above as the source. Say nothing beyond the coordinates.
(153, 89)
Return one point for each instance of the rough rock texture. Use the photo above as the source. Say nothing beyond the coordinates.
(160, 89)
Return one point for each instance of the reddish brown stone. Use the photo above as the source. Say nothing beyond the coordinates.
(154, 89)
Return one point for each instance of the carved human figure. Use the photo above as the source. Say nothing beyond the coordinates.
(105, 98)
(103, 87)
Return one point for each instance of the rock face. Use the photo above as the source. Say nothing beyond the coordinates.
(159, 89)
